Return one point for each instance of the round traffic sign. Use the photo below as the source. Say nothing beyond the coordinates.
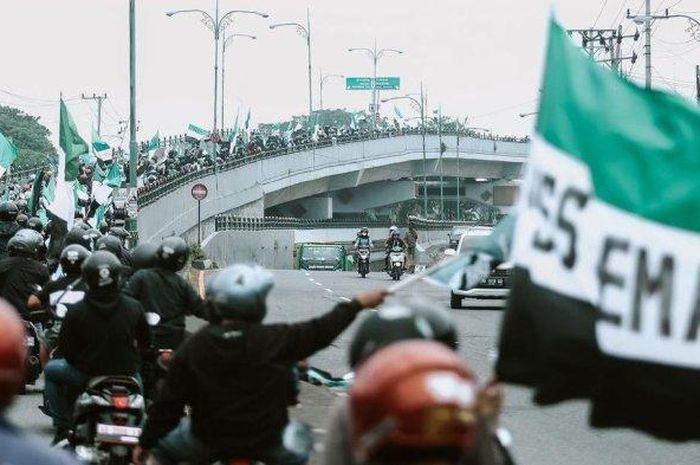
(199, 191)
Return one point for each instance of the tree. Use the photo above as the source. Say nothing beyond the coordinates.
(29, 135)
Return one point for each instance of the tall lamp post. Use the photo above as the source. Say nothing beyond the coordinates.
(375, 55)
(461, 128)
(322, 81)
(305, 32)
(217, 25)
(421, 106)
(227, 41)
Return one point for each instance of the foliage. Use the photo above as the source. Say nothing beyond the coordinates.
(196, 252)
(29, 135)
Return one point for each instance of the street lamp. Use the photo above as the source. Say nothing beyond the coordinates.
(322, 81)
(421, 106)
(375, 55)
(217, 25)
(305, 32)
(227, 40)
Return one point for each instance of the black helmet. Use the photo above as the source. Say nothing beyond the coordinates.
(397, 322)
(172, 253)
(80, 236)
(120, 233)
(101, 270)
(26, 243)
(240, 292)
(440, 320)
(35, 224)
(22, 220)
(110, 244)
(8, 211)
(72, 259)
(144, 256)
(22, 205)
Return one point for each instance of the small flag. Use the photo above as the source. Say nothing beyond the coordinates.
(605, 298)
(196, 133)
(398, 112)
(154, 142)
(247, 120)
(100, 148)
(8, 154)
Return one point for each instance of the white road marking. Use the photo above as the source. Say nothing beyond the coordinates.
(345, 299)
(317, 283)
(328, 290)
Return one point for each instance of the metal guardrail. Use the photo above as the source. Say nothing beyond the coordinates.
(236, 223)
(151, 193)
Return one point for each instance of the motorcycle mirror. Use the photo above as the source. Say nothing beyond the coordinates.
(152, 318)
(450, 252)
(298, 438)
(61, 311)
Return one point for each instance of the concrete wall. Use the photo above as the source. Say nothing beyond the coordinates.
(176, 212)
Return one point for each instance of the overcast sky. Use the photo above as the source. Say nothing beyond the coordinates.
(476, 58)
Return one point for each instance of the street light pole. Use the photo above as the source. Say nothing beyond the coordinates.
(375, 55)
(442, 183)
(322, 80)
(133, 148)
(227, 40)
(421, 106)
(305, 32)
(216, 24)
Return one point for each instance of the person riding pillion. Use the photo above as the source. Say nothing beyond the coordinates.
(234, 374)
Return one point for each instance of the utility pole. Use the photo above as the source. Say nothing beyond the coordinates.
(442, 184)
(99, 99)
(697, 83)
(133, 148)
(608, 41)
(647, 45)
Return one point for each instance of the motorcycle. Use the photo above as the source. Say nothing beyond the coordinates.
(363, 261)
(397, 262)
(33, 345)
(154, 370)
(108, 418)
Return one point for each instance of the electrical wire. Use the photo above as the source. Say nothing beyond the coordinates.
(602, 8)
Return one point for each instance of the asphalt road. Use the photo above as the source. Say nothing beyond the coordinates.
(552, 435)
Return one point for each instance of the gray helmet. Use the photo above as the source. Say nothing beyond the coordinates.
(393, 229)
(25, 242)
(240, 292)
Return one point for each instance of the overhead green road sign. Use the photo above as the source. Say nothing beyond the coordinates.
(388, 83)
(366, 83)
(358, 83)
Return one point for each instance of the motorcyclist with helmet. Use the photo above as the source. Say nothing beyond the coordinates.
(21, 272)
(22, 220)
(362, 241)
(163, 291)
(105, 334)
(394, 240)
(8, 225)
(144, 256)
(393, 322)
(36, 224)
(66, 290)
(17, 448)
(418, 402)
(234, 374)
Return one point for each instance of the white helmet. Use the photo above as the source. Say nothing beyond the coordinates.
(393, 229)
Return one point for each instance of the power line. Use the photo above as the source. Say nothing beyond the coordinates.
(602, 7)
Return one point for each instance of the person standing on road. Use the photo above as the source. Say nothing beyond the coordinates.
(411, 239)
(163, 291)
(15, 447)
(234, 374)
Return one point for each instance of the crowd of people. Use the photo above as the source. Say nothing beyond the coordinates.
(229, 386)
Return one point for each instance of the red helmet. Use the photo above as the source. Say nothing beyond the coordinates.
(414, 399)
(12, 353)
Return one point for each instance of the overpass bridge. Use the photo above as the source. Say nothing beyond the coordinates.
(325, 179)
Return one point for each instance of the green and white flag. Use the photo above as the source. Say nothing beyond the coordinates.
(71, 143)
(605, 299)
(100, 148)
(196, 133)
(154, 142)
(247, 120)
(8, 154)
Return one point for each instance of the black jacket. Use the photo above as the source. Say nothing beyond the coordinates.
(7, 230)
(18, 278)
(236, 379)
(104, 333)
(170, 296)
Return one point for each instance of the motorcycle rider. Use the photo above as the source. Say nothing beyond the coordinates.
(362, 241)
(15, 447)
(240, 359)
(67, 289)
(419, 402)
(21, 272)
(8, 225)
(103, 334)
(394, 240)
(144, 256)
(161, 290)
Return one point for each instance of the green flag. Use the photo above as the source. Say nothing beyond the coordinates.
(8, 154)
(247, 120)
(605, 290)
(154, 143)
(115, 176)
(72, 144)
(100, 148)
